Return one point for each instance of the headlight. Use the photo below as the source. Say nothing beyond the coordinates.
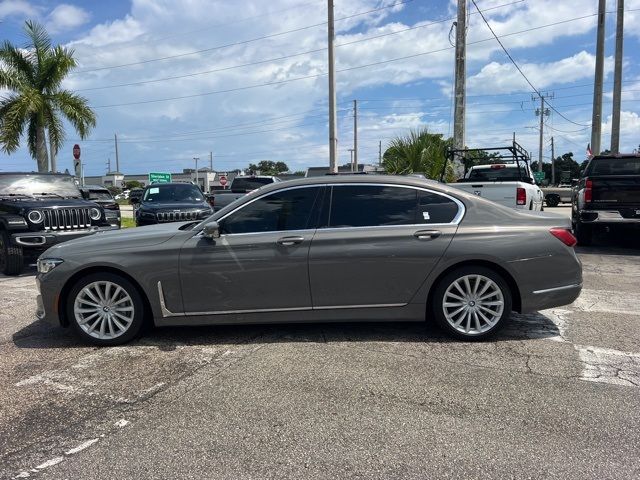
(45, 265)
(95, 213)
(147, 214)
(35, 216)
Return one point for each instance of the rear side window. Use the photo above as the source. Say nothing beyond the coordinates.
(364, 206)
(280, 211)
(497, 174)
(614, 166)
(434, 208)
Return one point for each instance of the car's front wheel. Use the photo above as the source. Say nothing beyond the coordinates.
(105, 309)
(471, 302)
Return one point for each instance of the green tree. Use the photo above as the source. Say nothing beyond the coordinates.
(36, 102)
(419, 152)
(268, 167)
(133, 184)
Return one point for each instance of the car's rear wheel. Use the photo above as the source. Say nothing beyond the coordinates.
(471, 302)
(552, 200)
(11, 256)
(105, 309)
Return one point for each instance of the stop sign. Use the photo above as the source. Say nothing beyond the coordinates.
(76, 151)
(223, 180)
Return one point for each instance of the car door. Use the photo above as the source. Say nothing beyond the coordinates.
(378, 244)
(260, 261)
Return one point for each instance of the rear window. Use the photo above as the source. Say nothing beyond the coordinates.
(495, 174)
(250, 183)
(614, 166)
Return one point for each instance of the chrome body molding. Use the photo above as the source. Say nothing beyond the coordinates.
(557, 289)
(166, 313)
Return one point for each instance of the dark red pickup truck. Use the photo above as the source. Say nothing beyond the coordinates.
(607, 195)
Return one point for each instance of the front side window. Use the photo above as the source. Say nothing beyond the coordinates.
(372, 205)
(279, 211)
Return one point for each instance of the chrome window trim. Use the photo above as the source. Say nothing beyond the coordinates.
(455, 221)
(557, 289)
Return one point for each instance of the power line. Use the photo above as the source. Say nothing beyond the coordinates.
(275, 59)
(241, 42)
(308, 77)
(518, 67)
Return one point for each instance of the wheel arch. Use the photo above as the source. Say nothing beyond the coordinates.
(513, 286)
(64, 292)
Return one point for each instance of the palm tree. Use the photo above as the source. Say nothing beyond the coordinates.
(419, 152)
(35, 101)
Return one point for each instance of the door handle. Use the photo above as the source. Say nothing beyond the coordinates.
(427, 234)
(289, 241)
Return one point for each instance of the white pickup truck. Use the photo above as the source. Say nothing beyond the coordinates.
(508, 184)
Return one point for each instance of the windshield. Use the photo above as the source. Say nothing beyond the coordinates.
(250, 183)
(614, 166)
(36, 185)
(173, 193)
(495, 174)
(99, 195)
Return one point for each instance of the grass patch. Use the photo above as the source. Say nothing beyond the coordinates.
(127, 222)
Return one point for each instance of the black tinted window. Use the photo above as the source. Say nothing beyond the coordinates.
(287, 210)
(434, 208)
(363, 206)
(252, 183)
(493, 174)
(614, 166)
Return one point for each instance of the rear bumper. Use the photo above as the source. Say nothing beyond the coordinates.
(46, 239)
(552, 297)
(607, 216)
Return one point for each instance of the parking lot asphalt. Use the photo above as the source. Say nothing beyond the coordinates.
(554, 395)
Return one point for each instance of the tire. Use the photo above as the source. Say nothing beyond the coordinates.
(119, 312)
(552, 201)
(584, 234)
(11, 256)
(468, 305)
(531, 206)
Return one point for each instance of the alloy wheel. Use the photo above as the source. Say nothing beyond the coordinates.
(104, 310)
(473, 304)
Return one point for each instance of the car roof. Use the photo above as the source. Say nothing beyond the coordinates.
(168, 184)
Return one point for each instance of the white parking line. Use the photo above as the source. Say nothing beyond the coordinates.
(607, 301)
(607, 365)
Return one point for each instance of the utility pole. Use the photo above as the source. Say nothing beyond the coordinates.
(460, 82)
(542, 111)
(380, 152)
(108, 165)
(617, 80)
(211, 161)
(596, 115)
(115, 135)
(333, 139)
(355, 135)
(197, 180)
(553, 163)
(351, 151)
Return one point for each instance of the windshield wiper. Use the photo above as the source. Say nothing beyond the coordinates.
(16, 195)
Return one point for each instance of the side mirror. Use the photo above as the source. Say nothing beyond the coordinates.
(211, 230)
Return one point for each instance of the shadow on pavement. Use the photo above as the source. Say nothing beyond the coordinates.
(520, 327)
(620, 242)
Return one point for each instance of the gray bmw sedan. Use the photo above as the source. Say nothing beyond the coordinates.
(323, 249)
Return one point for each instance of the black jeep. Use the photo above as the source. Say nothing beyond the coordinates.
(38, 210)
(171, 202)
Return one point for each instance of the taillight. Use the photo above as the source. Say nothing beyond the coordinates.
(564, 235)
(588, 191)
(521, 196)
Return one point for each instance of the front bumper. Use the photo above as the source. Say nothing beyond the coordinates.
(609, 216)
(46, 239)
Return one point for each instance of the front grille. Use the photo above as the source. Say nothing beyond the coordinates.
(176, 216)
(66, 218)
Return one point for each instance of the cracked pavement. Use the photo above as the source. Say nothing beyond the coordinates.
(554, 395)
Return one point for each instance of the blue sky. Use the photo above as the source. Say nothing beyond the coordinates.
(393, 56)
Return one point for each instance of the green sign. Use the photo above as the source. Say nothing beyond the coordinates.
(159, 177)
(539, 176)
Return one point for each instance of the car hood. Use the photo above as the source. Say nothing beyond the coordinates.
(50, 202)
(118, 239)
(155, 207)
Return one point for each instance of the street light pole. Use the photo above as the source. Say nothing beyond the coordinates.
(617, 80)
(197, 180)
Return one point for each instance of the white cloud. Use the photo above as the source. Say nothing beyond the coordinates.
(504, 77)
(66, 17)
(17, 8)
